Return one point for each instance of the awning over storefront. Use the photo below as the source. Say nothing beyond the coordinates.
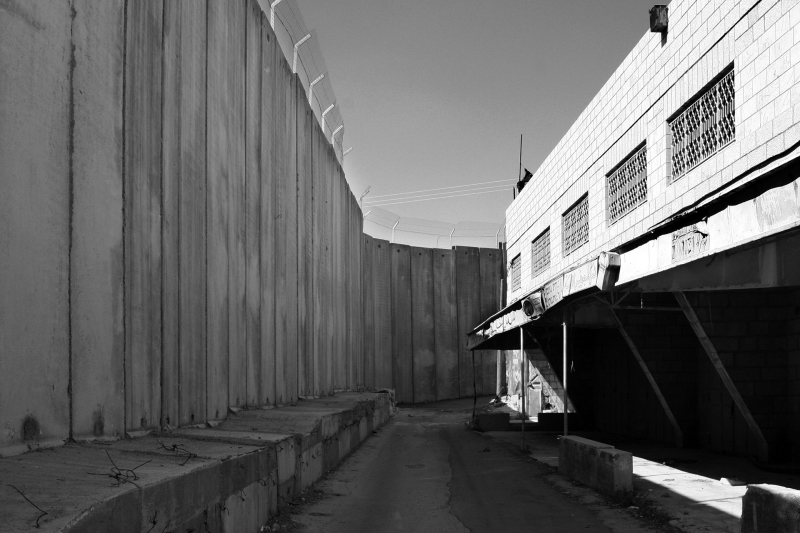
(497, 332)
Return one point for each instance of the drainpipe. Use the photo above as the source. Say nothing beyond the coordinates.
(395, 225)
(451, 237)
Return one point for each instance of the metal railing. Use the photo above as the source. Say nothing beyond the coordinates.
(706, 126)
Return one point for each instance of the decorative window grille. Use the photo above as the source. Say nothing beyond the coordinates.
(626, 187)
(575, 223)
(516, 273)
(540, 254)
(706, 126)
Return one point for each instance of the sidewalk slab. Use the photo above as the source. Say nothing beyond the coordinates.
(227, 478)
(688, 486)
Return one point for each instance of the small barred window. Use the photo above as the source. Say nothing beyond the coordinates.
(706, 126)
(540, 253)
(575, 224)
(516, 273)
(626, 187)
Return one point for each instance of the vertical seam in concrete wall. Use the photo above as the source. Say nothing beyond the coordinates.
(70, 211)
(245, 224)
(161, 231)
(295, 79)
(178, 218)
(205, 392)
(124, 220)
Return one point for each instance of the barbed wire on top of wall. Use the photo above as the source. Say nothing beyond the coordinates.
(302, 50)
(384, 224)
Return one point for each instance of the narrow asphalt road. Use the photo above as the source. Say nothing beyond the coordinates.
(425, 471)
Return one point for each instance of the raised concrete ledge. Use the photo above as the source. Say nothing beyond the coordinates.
(770, 508)
(229, 478)
(595, 464)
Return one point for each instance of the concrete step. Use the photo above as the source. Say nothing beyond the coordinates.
(228, 478)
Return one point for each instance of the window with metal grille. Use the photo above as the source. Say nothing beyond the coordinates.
(626, 186)
(704, 127)
(516, 273)
(575, 224)
(540, 253)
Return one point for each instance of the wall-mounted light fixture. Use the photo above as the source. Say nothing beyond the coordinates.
(658, 19)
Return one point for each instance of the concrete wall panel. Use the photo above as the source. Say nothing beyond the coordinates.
(445, 318)
(468, 292)
(423, 325)
(319, 252)
(401, 324)
(34, 212)
(252, 210)
(234, 81)
(143, 214)
(368, 309)
(225, 143)
(184, 218)
(304, 117)
(270, 55)
(350, 287)
(382, 261)
(288, 209)
(96, 280)
(193, 215)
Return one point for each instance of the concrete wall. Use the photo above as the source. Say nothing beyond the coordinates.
(179, 237)
(654, 82)
(178, 232)
(421, 302)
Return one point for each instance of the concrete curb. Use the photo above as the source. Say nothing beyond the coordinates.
(230, 478)
(767, 508)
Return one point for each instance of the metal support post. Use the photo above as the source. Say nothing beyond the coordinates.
(272, 13)
(337, 130)
(566, 400)
(296, 46)
(311, 87)
(523, 383)
(325, 113)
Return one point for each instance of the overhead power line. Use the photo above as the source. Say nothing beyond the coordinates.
(441, 188)
(474, 189)
(504, 189)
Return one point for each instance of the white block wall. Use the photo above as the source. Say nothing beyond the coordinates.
(761, 39)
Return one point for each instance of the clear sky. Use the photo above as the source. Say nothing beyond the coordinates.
(436, 93)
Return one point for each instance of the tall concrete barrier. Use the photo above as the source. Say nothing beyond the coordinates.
(181, 241)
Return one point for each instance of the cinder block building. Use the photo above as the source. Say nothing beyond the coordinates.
(661, 234)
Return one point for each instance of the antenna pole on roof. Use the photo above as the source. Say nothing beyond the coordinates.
(519, 177)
